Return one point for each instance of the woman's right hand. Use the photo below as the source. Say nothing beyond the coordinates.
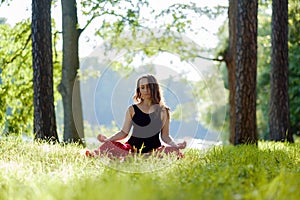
(102, 138)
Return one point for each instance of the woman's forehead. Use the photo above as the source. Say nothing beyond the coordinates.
(143, 81)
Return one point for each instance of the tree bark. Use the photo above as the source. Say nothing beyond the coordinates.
(246, 69)
(279, 115)
(69, 86)
(230, 58)
(44, 112)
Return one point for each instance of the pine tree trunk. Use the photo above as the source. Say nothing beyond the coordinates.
(246, 69)
(279, 115)
(44, 112)
(69, 87)
(230, 63)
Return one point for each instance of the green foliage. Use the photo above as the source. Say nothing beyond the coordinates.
(16, 90)
(135, 26)
(42, 171)
(294, 60)
(124, 15)
(16, 74)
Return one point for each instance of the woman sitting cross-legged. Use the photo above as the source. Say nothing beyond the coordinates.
(150, 119)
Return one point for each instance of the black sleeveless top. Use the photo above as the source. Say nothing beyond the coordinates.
(146, 130)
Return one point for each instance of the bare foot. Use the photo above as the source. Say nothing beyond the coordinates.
(101, 138)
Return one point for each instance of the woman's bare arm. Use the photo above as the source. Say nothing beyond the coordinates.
(124, 131)
(165, 131)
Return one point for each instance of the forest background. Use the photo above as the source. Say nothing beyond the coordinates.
(210, 117)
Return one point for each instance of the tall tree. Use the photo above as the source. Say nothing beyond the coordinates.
(246, 67)
(279, 115)
(69, 87)
(229, 58)
(44, 113)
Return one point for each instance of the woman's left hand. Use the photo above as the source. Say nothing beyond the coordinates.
(181, 145)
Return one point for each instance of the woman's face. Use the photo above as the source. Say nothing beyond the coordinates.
(144, 89)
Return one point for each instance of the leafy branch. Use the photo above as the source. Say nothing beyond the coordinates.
(19, 52)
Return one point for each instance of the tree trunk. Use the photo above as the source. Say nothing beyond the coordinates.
(69, 87)
(230, 63)
(44, 112)
(279, 115)
(246, 61)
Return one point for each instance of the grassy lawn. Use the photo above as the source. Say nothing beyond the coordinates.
(41, 171)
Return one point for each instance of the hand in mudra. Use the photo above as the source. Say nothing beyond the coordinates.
(102, 138)
(181, 145)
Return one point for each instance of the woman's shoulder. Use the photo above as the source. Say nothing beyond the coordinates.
(131, 109)
(165, 108)
(165, 112)
(133, 106)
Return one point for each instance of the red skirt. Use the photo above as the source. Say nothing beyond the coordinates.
(118, 149)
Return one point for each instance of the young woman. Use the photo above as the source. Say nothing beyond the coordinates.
(150, 119)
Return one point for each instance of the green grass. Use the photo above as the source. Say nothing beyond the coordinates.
(42, 171)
